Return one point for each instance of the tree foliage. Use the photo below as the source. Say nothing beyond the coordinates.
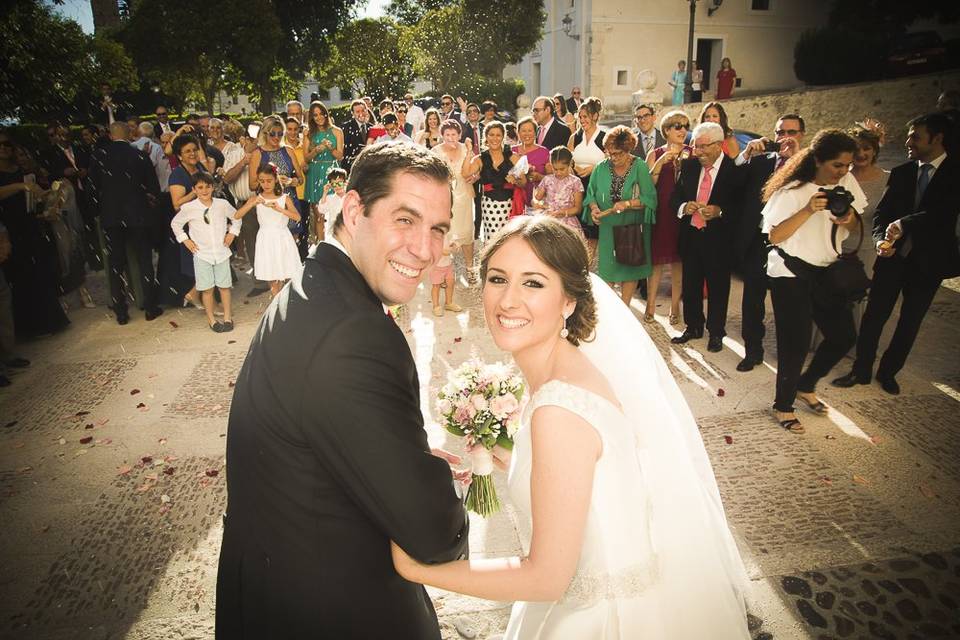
(474, 38)
(366, 56)
(46, 62)
(410, 12)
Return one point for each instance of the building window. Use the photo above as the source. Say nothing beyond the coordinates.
(621, 77)
(760, 5)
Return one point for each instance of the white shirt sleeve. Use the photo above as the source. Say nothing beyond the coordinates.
(781, 206)
(180, 220)
(234, 224)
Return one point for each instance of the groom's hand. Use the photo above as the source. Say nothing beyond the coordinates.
(460, 475)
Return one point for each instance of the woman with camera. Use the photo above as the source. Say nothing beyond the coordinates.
(806, 199)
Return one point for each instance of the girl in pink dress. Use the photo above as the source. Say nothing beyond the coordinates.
(560, 194)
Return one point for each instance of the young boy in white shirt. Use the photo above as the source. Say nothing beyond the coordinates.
(212, 231)
(331, 201)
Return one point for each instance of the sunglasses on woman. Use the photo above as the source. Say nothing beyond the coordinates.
(677, 126)
(275, 134)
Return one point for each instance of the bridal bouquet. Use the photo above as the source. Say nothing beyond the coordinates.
(482, 404)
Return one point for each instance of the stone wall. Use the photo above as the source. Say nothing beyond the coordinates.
(892, 102)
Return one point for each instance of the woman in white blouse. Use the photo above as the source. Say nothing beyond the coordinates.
(800, 227)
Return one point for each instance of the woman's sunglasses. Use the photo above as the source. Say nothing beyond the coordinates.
(677, 126)
(275, 134)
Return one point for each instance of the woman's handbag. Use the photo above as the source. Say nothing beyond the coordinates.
(846, 278)
(628, 241)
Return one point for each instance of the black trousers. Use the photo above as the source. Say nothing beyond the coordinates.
(753, 269)
(142, 240)
(795, 308)
(891, 277)
(704, 261)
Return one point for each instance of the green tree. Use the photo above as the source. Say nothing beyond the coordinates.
(437, 56)
(366, 56)
(410, 12)
(190, 51)
(46, 62)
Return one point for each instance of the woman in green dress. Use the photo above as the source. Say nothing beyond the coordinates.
(621, 193)
(323, 146)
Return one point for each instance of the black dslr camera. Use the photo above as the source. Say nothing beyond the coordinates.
(838, 200)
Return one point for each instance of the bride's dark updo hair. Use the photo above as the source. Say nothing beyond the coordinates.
(563, 250)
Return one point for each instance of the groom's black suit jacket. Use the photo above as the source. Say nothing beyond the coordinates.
(327, 461)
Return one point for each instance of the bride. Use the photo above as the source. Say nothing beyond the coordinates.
(629, 538)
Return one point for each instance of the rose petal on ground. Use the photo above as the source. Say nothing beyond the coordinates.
(100, 423)
(79, 452)
(212, 473)
(124, 469)
(231, 384)
(10, 424)
(24, 469)
(168, 471)
(231, 341)
(146, 486)
(18, 445)
(164, 508)
(146, 459)
(728, 439)
(860, 479)
(152, 477)
(217, 407)
(174, 324)
(88, 426)
(721, 393)
(826, 480)
(45, 528)
(830, 437)
(86, 440)
(81, 413)
(104, 441)
(134, 392)
(165, 499)
(162, 441)
(876, 439)
(170, 458)
(140, 405)
(458, 339)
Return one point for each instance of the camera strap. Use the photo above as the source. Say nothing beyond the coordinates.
(833, 237)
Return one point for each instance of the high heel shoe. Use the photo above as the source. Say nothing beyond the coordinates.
(674, 319)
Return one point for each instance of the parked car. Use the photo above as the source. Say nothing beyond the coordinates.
(915, 53)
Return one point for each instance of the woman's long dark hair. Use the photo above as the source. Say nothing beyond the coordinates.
(724, 121)
(827, 145)
(312, 127)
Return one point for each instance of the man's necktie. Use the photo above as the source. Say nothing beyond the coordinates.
(923, 181)
(541, 134)
(703, 195)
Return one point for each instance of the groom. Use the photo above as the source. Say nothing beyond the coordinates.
(327, 459)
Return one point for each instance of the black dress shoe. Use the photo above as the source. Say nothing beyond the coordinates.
(152, 314)
(687, 335)
(715, 344)
(17, 363)
(123, 317)
(889, 384)
(748, 363)
(849, 380)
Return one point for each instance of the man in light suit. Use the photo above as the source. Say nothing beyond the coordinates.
(914, 229)
(551, 132)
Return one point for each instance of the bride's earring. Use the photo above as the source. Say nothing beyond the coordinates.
(564, 332)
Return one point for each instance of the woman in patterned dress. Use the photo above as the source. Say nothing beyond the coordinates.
(493, 166)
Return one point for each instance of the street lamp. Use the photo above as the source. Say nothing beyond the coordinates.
(688, 81)
(567, 26)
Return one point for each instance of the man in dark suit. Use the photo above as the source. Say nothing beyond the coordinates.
(551, 132)
(646, 129)
(127, 191)
(706, 199)
(162, 125)
(574, 101)
(355, 133)
(915, 233)
(327, 458)
(749, 242)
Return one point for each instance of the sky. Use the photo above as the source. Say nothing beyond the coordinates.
(80, 11)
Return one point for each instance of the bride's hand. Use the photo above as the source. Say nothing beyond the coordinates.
(501, 456)
(402, 562)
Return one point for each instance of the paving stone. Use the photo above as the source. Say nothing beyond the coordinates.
(208, 392)
(925, 422)
(143, 522)
(68, 388)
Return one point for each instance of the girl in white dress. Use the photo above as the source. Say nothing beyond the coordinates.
(628, 537)
(277, 258)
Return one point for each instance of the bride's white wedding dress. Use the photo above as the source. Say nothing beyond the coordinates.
(658, 561)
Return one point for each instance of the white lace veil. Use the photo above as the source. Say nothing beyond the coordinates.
(701, 575)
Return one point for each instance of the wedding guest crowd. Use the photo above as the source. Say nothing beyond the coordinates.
(656, 200)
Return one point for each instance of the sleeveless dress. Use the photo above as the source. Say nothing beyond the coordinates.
(495, 201)
(666, 230)
(276, 256)
(614, 593)
(461, 227)
(318, 167)
(588, 152)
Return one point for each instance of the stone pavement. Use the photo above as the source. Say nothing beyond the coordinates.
(112, 481)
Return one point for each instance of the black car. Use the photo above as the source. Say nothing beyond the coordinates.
(915, 53)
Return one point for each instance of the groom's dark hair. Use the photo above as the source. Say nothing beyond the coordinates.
(374, 170)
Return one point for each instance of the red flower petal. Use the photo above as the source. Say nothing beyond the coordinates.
(140, 405)
(721, 392)
(168, 471)
(728, 439)
(134, 392)
(174, 324)
(213, 473)
(86, 440)
(146, 459)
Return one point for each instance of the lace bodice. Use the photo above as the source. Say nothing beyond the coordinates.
(617, 558)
